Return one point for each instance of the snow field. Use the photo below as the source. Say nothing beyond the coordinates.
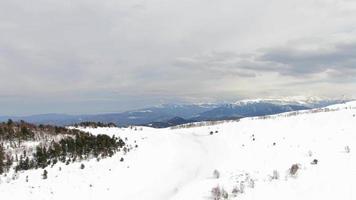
(252, 158)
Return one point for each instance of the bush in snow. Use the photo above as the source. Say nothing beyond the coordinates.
(15, 176)
(294, 169)
(45, 174)
(216, 193)
(82, 166)
(314, 162)
(347, 149)
(219, 193)
(239, 189)
(216, 174)
(275, 175)
(224, 194)
(251, 183)
(2, 159)
(242, 187)
(235, 190)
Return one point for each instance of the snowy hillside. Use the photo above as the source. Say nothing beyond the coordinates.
(308, 101)
(298, 155)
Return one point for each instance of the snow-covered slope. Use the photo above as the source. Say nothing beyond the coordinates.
(251, 159)
(308, 101)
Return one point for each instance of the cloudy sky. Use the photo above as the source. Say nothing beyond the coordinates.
(92, 56)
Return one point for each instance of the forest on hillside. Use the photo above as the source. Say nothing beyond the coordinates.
(25, 146)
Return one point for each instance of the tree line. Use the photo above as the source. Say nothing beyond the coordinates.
(94, 124)
(74, 145)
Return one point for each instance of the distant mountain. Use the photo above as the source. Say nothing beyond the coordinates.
(231, 111)
(55, 119)
(159, 113)
(154, 114)
(172, 114)
(249, 108)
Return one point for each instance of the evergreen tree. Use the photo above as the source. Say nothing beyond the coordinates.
(9, 161)
(2, 158)
(45, 174)
(9, 122)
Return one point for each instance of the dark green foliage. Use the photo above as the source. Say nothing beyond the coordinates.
(315, 162)
(24, 164)
(94, 124)
(22, 131)
(9, 161)
(2, 160)
(41, 156)
(74, 146)
(45, 174)
(26, 133)
(9, 122)
(81, 146)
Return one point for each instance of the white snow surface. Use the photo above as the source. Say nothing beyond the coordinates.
(298, 100)
(178, 164)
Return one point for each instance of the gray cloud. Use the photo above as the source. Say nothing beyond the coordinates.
(120, 55)
(220, 64)
(335, 59)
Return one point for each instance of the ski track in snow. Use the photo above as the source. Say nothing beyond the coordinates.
(178, 164)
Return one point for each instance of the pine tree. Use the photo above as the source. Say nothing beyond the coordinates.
(9, 161)
(45, 174)
(2, 158)
(9, 122)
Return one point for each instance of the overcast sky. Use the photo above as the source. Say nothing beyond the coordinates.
(92, 56)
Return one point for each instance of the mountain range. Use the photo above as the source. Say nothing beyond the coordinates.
(174, 114)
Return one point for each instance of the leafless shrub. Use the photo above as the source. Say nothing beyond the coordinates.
(294, 169)
(347, 149)
(216, 174)
(15, 176)
(216, 193)
(314, 162)
(251, 183)
(275, 175)
(235, 190)
(224, 194)
(242, 187)
(219, 193)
